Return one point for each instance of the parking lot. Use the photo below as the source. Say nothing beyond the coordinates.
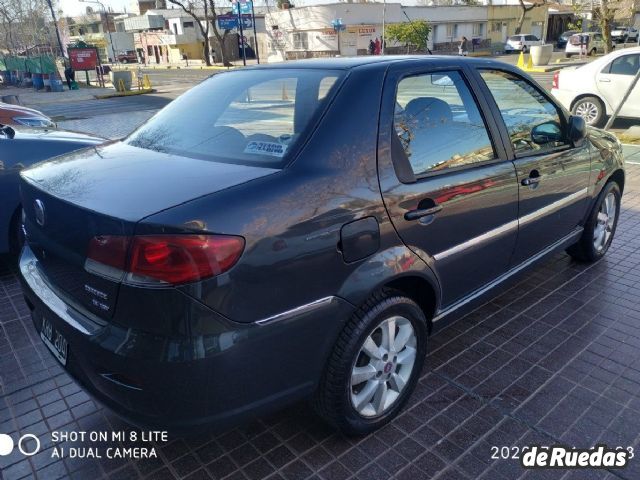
(553, 357)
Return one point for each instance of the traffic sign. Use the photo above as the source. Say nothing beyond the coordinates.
(245, 6)
(227, 22)
(230, 21)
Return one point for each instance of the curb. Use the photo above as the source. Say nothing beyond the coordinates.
(130, 93)
(174, 67)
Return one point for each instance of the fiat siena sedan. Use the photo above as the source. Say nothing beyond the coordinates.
(294, 231)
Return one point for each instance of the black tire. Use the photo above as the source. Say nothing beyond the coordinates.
(568, 55)
(333, 397)
(600, 110)
(525, 49)
(584, 249)
(16, 239)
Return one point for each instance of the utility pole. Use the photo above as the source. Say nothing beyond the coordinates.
(55, 23)
(384, 18)
(255, 34)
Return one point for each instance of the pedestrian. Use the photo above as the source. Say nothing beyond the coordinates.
(462, 48)
(372, 47)
(377, 46)
(69, 74)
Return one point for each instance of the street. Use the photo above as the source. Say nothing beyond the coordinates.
(117, 117)
(551, 357)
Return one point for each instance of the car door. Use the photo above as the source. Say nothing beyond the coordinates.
(614, 80)
(448, 187)
(553, 174)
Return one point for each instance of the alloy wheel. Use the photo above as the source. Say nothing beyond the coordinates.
(588, 111)
(605, 222)
(383, 366)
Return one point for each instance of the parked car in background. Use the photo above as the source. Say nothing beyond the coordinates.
(622, 34)
(521, 43)
(128, 56)
(588, 43)
(260, 251)
(11, 114)
(561, 43)
(594, 90)
(22, 147)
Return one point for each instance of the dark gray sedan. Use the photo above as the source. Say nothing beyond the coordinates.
(22, 147)
(293, 231)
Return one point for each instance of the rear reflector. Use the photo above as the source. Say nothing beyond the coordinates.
(556, 80)
(163, 259)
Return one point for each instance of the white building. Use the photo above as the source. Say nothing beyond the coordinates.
(304, 32)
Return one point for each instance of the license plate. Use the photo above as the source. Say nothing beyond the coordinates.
(54, 341)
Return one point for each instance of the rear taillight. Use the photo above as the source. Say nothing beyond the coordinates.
(556, 80)
(163, 259)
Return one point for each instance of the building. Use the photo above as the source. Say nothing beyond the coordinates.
(140, 7)
(174, 36)
(503, 21)
(304, 32)
(99, 29)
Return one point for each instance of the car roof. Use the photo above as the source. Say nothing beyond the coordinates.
(347, 63)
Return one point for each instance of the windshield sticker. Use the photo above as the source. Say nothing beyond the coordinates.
(266, 148)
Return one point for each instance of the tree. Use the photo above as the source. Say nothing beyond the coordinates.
(220, 37)
(25, 24)
(607, 12)
(524, 8)
(414, 33)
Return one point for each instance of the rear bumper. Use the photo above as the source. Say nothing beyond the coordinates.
(236, 371)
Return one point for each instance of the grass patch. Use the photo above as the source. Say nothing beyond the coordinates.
(628, 139)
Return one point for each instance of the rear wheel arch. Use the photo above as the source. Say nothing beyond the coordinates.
(583, 95)
(418, 289)
(618, 177)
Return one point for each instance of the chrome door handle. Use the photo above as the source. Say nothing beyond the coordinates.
(422, 212)
(530, 181)
(604, 80)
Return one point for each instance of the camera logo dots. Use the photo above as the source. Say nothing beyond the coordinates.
(6, 445)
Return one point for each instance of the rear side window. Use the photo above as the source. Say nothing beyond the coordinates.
(532, 121)
(251, 117)
(625, 65)
(439, 124)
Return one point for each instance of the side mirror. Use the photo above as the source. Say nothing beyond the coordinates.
(577, 129)
(546, 133)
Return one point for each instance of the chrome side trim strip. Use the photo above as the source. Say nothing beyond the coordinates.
(552, 207)
(308, 307)
(472, 242)
(573, 235)
(512, 225)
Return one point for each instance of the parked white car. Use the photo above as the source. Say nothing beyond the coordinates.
(588, 43)
(521, 43)
(624, 34)
(594, 90)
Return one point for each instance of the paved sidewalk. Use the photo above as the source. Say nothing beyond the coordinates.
(37, 98)
(553, 357)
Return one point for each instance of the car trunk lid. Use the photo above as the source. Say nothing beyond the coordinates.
(105, 191)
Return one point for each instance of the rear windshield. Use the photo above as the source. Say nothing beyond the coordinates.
(515, 38)
(250, 117)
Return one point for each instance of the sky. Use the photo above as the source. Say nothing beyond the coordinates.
(74, 7)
